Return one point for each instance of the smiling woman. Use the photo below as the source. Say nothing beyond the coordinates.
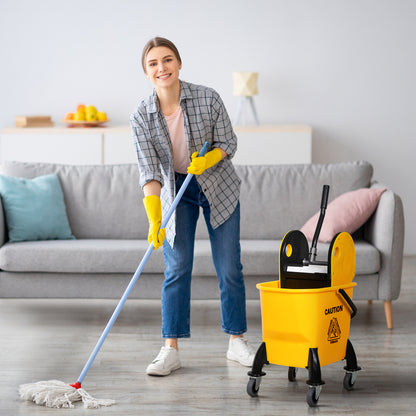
(169, 128)
(157, 42)
(162, 68)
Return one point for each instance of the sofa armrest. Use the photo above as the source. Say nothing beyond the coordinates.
(385, 231)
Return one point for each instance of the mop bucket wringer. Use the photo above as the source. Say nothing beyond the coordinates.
(306, 314)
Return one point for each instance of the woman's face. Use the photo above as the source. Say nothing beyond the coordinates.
(162, 67)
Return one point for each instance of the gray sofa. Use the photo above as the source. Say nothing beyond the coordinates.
(106, 215)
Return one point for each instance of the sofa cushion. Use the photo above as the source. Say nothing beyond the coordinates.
(259, 257)
(103, 201)
(348, 212)
(79, 256)
(34, 208)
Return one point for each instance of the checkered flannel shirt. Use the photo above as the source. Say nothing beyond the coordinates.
(205, 119)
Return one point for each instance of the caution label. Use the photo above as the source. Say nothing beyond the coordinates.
(334, 331)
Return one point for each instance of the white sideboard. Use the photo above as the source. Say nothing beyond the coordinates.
(273, 144)
(68, 145)
(266, 144)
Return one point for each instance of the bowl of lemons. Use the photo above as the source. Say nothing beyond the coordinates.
(85, 116)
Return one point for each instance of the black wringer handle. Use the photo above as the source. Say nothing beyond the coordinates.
(324, 202)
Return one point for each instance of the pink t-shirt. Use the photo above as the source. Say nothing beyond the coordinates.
(176, 129)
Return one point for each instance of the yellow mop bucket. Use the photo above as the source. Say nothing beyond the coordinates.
(294, 320)
(306, 314)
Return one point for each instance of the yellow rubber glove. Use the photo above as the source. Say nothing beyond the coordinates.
(154, 214)
(200, 164)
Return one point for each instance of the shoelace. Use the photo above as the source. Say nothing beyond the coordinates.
(245, 348)
(164, 352)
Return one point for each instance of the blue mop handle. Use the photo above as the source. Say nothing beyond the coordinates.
(136, 275)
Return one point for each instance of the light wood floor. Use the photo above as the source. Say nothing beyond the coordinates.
(52, 339)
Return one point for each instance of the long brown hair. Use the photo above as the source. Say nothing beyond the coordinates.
(155, 42)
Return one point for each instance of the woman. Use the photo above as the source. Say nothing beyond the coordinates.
(169, 129)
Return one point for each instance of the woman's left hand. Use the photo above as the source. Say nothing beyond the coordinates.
(201, 163)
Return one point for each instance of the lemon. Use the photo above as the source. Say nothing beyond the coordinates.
(101, 116)
(91, 109)
(79, 116)
(90, 116)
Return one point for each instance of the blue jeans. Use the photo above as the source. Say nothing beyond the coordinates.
(225, 247)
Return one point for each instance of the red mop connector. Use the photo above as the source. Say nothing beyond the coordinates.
(76, 385)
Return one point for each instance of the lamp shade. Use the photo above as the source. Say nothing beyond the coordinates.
(245, 83)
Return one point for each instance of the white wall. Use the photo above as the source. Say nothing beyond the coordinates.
(345, 67)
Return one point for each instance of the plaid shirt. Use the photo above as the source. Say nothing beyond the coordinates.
(205, 119)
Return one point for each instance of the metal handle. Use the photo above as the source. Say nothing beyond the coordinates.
(204, 149)
(136, 276)
(324, 201)
(351, 304)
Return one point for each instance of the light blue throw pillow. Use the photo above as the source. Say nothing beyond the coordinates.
(34, 208)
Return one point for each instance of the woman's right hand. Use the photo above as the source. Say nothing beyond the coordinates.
(153, 208)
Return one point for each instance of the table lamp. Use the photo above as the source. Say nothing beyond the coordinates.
(245, 86)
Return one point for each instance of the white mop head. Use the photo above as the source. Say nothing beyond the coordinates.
(54, 393)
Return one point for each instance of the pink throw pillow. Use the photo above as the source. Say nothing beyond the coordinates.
(347, 213)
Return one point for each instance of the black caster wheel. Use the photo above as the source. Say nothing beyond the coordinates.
(253, 386)
(349, 380)
(291, 373)
(312, 396)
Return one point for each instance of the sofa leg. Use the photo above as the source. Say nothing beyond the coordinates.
(388, 310)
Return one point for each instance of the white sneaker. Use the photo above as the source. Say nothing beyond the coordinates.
(240, 351)
(166, 362)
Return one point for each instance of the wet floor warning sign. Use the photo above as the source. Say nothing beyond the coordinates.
(334, 331)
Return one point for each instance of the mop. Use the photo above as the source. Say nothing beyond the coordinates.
(57, 394)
